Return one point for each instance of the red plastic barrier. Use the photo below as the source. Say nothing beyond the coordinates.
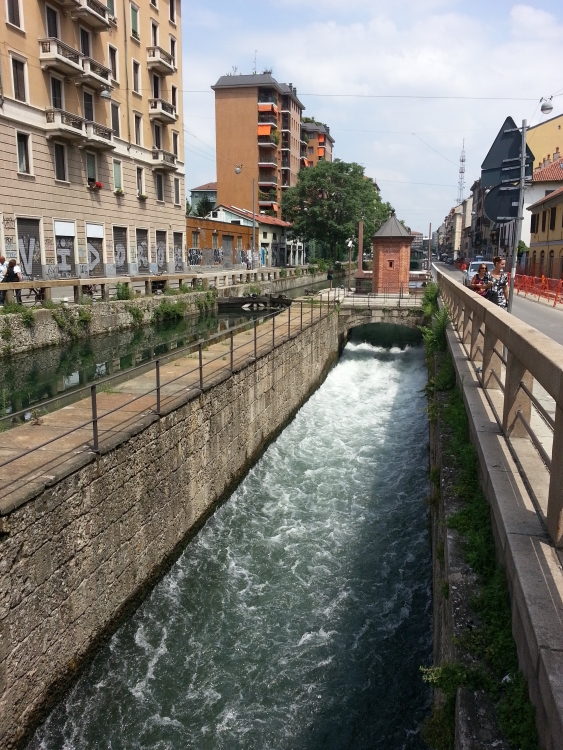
(540, 286)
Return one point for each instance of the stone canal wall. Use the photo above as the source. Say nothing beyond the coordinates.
(75, 556)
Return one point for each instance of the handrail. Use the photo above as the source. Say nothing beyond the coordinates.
(157, 389)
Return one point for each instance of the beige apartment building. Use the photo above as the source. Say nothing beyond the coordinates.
(258, 135)
(92, 174)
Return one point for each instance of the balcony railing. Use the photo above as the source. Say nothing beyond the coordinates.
(160, 60)
(267, 178)
(92, 12)
(59, 56)
(160, 109)
(164, 159)
(264, 119)
(266, 140)
(267, 161)
(64, 124)
(96, 74)
(267, 99)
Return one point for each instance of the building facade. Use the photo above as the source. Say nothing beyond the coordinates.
(317, 143)
(391, 258)
(546, 237)
(258, 137)
(207, 191)
(92, 179)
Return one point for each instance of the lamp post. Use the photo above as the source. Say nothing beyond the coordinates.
(238, 170)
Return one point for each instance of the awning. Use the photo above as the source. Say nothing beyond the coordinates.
(321, 138)
(321, 152)
(264, 129)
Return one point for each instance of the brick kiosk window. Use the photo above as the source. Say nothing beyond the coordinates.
(391, 264)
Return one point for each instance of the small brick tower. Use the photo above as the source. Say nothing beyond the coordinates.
(391, 258)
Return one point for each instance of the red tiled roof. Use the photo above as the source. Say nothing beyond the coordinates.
(556, 194)
(260, 218)
(207, 186)
(551, 173)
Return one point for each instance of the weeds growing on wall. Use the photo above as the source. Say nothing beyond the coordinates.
(168, 311)
(14, 308)
(136, 315)
(185, 289)
(492, 663)
(123, 290)
(207, 303)
(254, 289)
(430, 299)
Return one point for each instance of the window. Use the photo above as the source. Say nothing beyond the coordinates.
(176, 191)
(265, 235)
(111, 7)
(156, 87)
(154, 34)
(117, 181)
(543, 220)
(157, 136)
(173, 49)
(552, 218)
(175, 142)
(60, 162)
(52, 18)
(88, 106)
(173, 10)
(173, 95)
(138, 130)
(195, 239)
(56, 93)
(23, 153)
(113, 62)
(136, 76)
(115, 119)
(159, 185)
(85, 42)
(153, 3)
(14, 16)
(140, 181)
(18, 74)
(135, 22)
(91, 170)
(391, 264)
(310, 150)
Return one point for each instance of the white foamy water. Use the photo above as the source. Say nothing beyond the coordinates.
(299, 616)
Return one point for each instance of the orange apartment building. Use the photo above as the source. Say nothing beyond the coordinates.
(92, 173)
(258, 134)
(317, 143)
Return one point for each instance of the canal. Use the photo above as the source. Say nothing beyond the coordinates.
(299, 616)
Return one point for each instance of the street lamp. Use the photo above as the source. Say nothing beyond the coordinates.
(238, 170)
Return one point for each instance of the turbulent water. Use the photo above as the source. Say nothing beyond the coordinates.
(299, 616)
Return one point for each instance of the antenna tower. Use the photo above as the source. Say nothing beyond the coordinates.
(461, 183)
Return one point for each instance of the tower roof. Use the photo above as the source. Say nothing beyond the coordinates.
(392, 228)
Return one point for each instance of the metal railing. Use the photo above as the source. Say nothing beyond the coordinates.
(94, 129)
(65, 118)
(265, 119)
(96, 68)
(96, 7)
(165, 394)
(508, 358)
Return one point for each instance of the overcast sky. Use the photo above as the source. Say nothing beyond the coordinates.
(431, 48)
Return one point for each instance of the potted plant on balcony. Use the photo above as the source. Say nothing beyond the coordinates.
(142, 196)
(95, 185)
(119, 191)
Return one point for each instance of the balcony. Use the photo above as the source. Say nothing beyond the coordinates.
(59, 57)
(266, 179)
(95, 75)
(68, 3)
(267, 99)
(160, 61)
(161, 111)
(64, 125)
(268, 107)
(92, 13)
(267, 162)
(164, 160)
(266, 141)
(99, 137)
(268, 120)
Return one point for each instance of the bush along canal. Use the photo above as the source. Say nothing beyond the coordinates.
(300, 614)
(481, 697)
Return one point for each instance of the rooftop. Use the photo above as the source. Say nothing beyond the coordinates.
(557, 194)
(552, 172)
(392, 228)
(257, 80)
(207, 186)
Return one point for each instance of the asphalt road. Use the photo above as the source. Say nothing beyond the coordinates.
(545, 318)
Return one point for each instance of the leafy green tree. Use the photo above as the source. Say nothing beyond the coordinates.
(188, 208)
(328, 202)
(204, 206)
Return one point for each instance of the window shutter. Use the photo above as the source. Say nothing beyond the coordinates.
(19, 80)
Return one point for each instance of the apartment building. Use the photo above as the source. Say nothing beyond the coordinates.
(258, 135)
(317, 142)
(92, 176)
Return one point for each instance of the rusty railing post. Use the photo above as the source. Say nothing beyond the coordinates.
(289, 322)
(94, 417)
(232, 352)
(301, 318)
(255, 339)
(157, 363)
(201, 366)
(273, 332)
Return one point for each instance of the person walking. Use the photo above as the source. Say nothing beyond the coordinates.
(482, 281)
(13, 275)
(498, 292)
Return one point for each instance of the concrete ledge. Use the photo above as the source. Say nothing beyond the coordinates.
(533, 567)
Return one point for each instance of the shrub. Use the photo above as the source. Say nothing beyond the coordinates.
(136, 315)
(283, 273)
(123, 290)
(167, 311)
(185, 289)
(84, 316)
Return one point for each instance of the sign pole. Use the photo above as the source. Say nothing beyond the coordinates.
(430, 248)
(520, 220)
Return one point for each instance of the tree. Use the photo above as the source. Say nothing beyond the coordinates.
(204, 206)
(328, 202)
(188, 208)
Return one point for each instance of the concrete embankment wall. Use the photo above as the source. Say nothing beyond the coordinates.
(108, 317)
(76, 555)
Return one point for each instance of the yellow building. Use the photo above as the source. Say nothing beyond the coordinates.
(545, 138)
(91, 179)
(546, 244)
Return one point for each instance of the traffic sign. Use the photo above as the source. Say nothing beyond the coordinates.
(502, 163)
(501, 203)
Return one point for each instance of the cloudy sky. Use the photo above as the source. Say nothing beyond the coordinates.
(378, 54)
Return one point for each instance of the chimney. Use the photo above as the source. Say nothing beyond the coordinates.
(556, 155)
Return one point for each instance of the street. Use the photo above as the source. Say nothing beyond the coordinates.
(547, 319)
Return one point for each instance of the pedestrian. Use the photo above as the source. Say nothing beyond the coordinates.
(498, 292)
(3, 269)
(13, 275)
(482, 281)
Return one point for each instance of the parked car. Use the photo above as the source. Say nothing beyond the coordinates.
(472, 269)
